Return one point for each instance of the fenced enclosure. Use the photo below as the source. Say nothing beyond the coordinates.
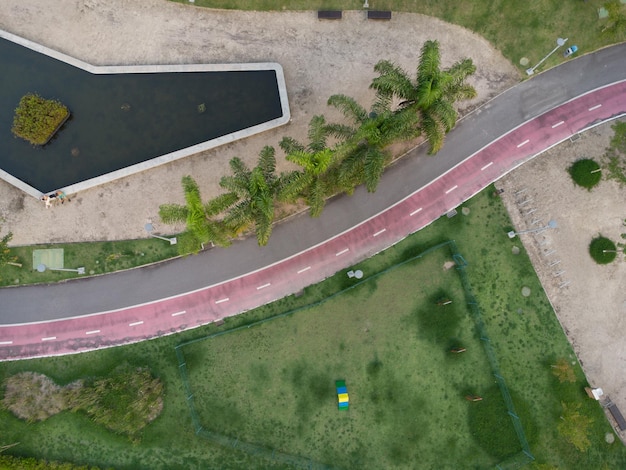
(405, 383)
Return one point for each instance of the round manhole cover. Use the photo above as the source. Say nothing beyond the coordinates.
(524, 61)
(525, 291)
(515, 250)
(465, 211)
(609, 437)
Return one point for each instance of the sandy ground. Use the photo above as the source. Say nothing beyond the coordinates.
(320, 59)
(589, 299)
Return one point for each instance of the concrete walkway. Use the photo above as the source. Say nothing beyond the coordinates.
(149, 302)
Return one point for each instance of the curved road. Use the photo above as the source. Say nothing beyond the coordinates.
(140, 304)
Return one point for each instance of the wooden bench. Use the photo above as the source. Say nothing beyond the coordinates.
(329, 14)
(378, 15)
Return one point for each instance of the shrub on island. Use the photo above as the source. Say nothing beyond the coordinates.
(38, 119)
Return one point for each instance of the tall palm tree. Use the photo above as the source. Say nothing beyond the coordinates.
(202, 227)
(362, 154)
(312, 182)
(255, 191)
(431, 97)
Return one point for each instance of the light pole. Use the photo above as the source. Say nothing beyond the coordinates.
(559, 43)
(149, 228)
(42, 267)
(551, 224)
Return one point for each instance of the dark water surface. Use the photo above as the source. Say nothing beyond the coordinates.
(122, 119)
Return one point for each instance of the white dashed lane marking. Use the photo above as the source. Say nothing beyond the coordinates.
(486, 166)
(557, 124)
(225, 299)
(175, 314)
(379, 232)
(304, 269)
(135, 323)
(593, 108)
(92, 332)
(49, 338)
(415, 212)
(523, 143)
(264, 286)
(452, 189)
(339, 253)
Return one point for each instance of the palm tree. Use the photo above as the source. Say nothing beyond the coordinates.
(362, 157)
(255, 191)
(312, 182)
(202, 227)
(433, 94)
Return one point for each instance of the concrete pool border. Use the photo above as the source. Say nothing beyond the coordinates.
(169, 157)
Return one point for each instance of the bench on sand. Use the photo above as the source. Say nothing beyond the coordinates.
(378, 15)
(329, 14)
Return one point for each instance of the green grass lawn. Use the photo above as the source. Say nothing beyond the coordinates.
(387, 339)
(406, 389)
(95, 257)
(517, 29)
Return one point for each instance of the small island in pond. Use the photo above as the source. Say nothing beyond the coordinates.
(38, 119)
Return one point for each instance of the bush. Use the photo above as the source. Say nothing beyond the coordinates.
(37, 119)
(585, 173)
(597, 249)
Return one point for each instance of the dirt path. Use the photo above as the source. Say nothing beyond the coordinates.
(320, 58)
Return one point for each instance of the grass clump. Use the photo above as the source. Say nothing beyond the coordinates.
(615, 156)
(602, 250)
(38, 119)
(586, 173)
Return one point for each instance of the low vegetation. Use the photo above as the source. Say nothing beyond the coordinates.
(124, 402)
(37, 119)
(615, 156)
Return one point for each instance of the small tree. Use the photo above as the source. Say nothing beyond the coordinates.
(563, 371)
(574, 426)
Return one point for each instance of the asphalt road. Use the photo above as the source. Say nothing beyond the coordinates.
(498, 117)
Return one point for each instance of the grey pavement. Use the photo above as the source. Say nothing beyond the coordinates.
(525, 101)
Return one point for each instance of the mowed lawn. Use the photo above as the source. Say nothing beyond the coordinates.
(273, 384)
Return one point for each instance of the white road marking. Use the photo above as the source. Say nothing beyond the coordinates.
(92, 332)
(557, 124)
(486, 166)
(593, 108)
(179, 313)
(339, 253)
(523, 143)
(135, 323)
(415, 211)
(452, 189)
(264, 286)
(379, 232)
(6, 342)
(304, 269)
(49, 338)
(225, 299)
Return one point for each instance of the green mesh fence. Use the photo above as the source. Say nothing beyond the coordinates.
(525, 456)
(514, 462)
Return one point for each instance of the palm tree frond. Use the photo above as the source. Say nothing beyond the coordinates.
(349, 107)
(172, 213)
(289, 145)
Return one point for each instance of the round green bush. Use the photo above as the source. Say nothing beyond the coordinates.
(585, 173)
(602, 250)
